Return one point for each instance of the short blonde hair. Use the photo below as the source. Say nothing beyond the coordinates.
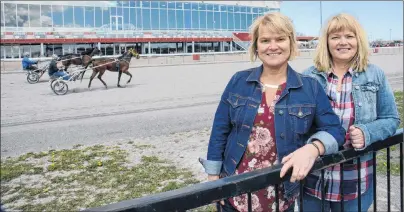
(337, 23)
(277, 23)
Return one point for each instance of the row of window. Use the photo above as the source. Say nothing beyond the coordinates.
(117, 18)
(17, 51)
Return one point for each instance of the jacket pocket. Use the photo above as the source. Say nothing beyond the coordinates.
(301, 118)
(369, 92)
(237, 104)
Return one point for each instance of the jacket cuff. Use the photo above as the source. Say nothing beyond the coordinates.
(211, 167)
(329, 142)
(365, 134)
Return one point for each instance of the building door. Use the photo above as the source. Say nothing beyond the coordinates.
(116, 23)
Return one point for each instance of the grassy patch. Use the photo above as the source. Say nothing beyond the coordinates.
(73, 179)
(143, 146)
(394, 150)
(381, 160)
(399, 102)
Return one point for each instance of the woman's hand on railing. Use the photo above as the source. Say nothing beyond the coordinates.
(301, 160)
(357, 137)
(213, 178)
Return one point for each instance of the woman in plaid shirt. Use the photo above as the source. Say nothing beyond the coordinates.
(362, 98)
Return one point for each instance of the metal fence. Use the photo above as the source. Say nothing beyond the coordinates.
(205, 193)
(148, 60)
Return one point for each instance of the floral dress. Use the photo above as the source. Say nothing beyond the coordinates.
(261, 153)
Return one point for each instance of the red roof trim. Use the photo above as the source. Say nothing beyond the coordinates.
(109, 40)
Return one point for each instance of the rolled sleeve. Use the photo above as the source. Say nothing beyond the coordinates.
(329, 142)
(211, 167)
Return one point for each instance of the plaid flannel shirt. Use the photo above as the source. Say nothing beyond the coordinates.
(343, 105)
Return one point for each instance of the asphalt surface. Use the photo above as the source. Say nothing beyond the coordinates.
(158, 101)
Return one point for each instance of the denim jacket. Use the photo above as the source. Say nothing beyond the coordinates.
(375, 107)
(302, 104)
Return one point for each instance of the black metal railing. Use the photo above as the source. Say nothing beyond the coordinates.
(205, 193)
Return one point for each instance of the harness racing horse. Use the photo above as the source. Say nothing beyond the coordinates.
(120, 65)
(82, 59)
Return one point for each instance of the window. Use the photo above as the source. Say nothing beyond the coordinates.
(2, 51)
(194, 7)
(22, 12)
(113, 10)
(210, 20)
(89, 14)
(33, 15)
(57, 11)
(10, 14)
(105, 16)
(223, 18)
(180, 19)
(195, 19)
(139, 24)
(163, 5)
(46, 16)
(155, 19)
(98, 17)
(187, 5)
(179, 5)
(231, 20)
(68, 16)
(243, 21)
(249, 21)
(126, 18)
(187, 19)
(154, 4)
(35, 50)
(146, 19)
(78, 16)
(171, 19)
(202, 15)
(237, 19)
(164, 19)
(146, 4)
(216, 16)
(132, 18)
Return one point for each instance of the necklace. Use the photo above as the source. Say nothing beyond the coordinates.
(270, 86)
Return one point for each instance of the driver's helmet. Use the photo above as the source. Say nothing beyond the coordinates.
(26, 54)
(55, 57)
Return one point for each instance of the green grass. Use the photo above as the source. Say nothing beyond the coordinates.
(394, 150)
(399, 102)
(92, 177)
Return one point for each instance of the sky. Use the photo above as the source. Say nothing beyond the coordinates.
(376, 17)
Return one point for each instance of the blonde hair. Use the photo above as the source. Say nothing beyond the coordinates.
(337, 23)
(277, 23)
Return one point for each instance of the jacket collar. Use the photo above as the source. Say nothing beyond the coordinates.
(293, 79)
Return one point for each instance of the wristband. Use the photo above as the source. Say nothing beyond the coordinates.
(318, 149)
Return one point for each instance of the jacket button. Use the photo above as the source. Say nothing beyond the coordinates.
(280, 112)
(282, 135)
(357, 87)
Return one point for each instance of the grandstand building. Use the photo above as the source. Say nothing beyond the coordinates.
(43, 28)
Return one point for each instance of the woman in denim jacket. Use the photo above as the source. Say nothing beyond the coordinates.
(263, 117)
(361, 96)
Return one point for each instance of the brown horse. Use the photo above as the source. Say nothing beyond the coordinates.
(82, 59)
(120, 65)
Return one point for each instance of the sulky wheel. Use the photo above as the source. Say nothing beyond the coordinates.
(59, 87)
(32, 78)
